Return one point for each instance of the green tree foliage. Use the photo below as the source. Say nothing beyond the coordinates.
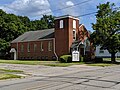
(4, 47)
(107, 28)
(44, 23)
(49, 20)
(11, 26)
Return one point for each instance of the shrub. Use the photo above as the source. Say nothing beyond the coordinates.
(66, 58)
(81, 59)
(98, 59)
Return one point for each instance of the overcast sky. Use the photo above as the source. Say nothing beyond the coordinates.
(35, 8)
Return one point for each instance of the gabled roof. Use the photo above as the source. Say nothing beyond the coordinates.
(35, 35)
(75, 44)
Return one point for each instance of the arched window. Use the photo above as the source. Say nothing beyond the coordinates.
(35, 47)
(61, 23)
(41, 46)
(74, 24)
(22, 48)
(28, 47)
(50, 46)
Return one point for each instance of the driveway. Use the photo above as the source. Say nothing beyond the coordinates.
(77, 77)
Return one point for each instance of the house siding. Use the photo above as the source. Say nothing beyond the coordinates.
(105, 53)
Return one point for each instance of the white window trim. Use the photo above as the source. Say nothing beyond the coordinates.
(74, 24)
(75, 34)
(61, 23)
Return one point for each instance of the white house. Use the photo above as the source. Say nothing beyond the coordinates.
(104, 53)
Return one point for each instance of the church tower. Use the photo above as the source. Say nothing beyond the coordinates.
(66, 29)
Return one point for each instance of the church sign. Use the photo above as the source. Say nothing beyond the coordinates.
(75, 56)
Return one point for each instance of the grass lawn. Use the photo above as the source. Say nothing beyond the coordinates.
(6, 70)
(109, 59)
(8, 74)
(57, 63)
(101, 64)
(46, 63)
(106, 62)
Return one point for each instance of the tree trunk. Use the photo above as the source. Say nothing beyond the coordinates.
(113, 57)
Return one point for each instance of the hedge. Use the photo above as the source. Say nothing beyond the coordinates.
(66, 59)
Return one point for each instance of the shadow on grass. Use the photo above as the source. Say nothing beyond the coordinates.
(103, 62)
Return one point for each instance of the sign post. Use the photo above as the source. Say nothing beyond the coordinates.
(75, 56)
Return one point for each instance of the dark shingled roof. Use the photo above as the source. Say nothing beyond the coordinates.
(35, 35)
(76, 44)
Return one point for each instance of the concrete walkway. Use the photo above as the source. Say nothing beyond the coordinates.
(77, 77)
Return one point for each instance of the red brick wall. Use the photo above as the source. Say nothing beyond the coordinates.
(38, 54)
(63, 41)
(82, 33)
(71, 31)
(64, 36)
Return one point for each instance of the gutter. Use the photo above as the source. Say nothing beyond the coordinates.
(17, 52)
(54, 49)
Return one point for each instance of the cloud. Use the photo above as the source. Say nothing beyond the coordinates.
(63, 6)
(34, 8)
(31, 8)
(69, 3)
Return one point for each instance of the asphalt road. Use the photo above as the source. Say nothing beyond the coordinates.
(63, 78)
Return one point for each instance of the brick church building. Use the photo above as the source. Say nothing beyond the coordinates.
(68, 35)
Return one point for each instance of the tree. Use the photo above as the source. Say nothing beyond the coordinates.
(12, 26)
(46, 22)
(3, 46)
(106, 28)
(49, 19)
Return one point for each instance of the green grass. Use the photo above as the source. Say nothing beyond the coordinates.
(46, 63)
(6, 70)
(58, 64)
(109, 59)
(106, 62)
(101, 64)
(64, 64)
(27, 62)
(8, 76)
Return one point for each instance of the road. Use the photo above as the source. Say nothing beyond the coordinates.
(77, 77)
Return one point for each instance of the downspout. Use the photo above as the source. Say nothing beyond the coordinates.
(17, 51)
(54, 49)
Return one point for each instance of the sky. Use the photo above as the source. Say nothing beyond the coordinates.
(34, 9)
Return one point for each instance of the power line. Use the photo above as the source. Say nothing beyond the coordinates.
(67, 7)
(74, 6)
(117, 8)
(86, 14)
